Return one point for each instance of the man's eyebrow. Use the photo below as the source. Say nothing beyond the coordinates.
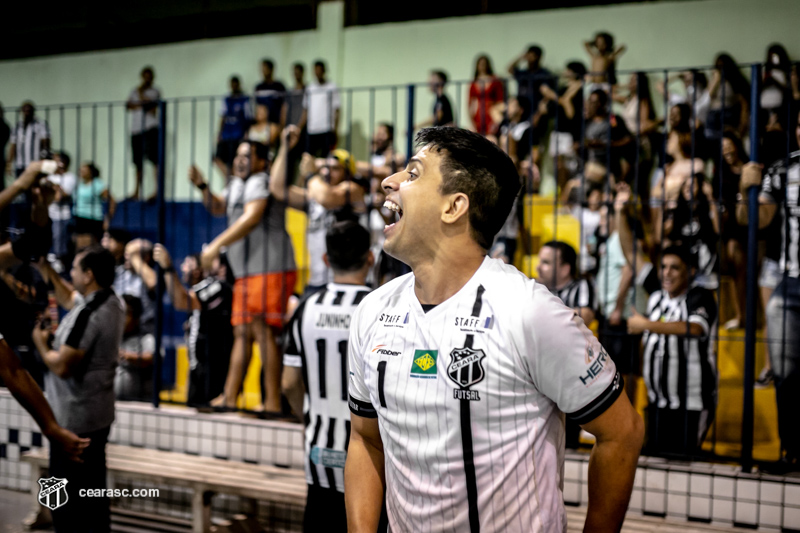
(415, 160)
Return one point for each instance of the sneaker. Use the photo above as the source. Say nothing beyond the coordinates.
(764, 378)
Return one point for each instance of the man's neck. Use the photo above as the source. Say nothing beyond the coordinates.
(89, 291)
(445, 274)
(350, 278)
(564, 284)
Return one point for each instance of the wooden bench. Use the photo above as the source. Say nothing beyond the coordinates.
(205, 476)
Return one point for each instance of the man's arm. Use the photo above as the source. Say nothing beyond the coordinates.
(612, 466)
(293, 388)
(21, 184)
(294, 196)
(638, 323)
(751, 177)
(253, 213)
(214, 204)
(333, 196)
(30, 396)
(65, 292)
(181, 299)
(364, 476)
(133, 253)
(60, 362)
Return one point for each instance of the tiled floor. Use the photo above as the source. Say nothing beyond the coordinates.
(14, 507)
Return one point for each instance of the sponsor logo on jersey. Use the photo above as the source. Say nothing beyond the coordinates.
(390, 320)
(465, 370)
(424, 364)
(597, 365)
(381, 350)
(473, 324)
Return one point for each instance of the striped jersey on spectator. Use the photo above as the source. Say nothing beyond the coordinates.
(469, 399)
(579, 293)
(783, 188)
(680, 371)
(28, 141)
(317, 342)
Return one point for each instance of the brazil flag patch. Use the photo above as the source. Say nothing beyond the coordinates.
(424, 364)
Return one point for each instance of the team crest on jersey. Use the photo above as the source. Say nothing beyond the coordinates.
(465, 370)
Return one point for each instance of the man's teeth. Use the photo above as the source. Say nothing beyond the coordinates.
(391, 206)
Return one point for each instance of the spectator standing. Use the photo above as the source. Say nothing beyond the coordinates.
(640, 120)
(271, 93)
(144, 120)
(780, 198)
(293, 109)
(261, 257)
(679, 361)
(210, 335)
(485, 92)
(30, 141)
(531, 79)
(442, 109)
(315, 369)
(80, 385)
(90, 195)
(568, 127)
(605, 135)
(134, 376)
(322, 104)
(60, 211)
(730, 99)
(603, 60)
(235, 116)
(516, 136)
(261, 130)
(130, 276)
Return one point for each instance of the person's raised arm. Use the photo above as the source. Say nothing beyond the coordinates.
(364, 475)
(279, 184)
(253, 213)
(65, 293)
(214, 204)
(512, 67)
(133, 254)
(178, 294)
(334, 196)
(22, 183)
(612, 465)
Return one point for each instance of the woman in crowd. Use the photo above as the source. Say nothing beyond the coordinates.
(640, 119)
(485, 92)
(730, 99)
(90, 195)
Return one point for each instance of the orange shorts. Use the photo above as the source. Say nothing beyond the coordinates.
(263, 296)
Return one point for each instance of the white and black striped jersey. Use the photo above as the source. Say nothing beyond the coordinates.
(28, 141)
(679, 370)
(470, 398)
(317, 338)
(782, 187)
(578, 294)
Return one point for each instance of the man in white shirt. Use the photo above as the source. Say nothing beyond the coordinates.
(461, 372)
(60, 210)
(143, 105)
(321, 103)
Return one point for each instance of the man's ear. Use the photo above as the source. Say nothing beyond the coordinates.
(325, 259)
(457, 207)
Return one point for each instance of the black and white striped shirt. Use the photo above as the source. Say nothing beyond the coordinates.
(680, 370)
(783, 188)
(578, 294)
(470, 399)
(28, 141)
(317, 342)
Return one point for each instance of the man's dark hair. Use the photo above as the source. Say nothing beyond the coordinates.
(101, 263)
(347, 244)
(535, 49)
(565, 254)
(120, 235)
(319, 63)
(689, 259)
(607, 37)
(578, 68)
(602, 100)
(389, 129)
(146, 70)
(261, 150)
(65, 159)
(300, 66)
(475, 166)
(236, 79)
(441, 75)
(134, 304)
(269, 63)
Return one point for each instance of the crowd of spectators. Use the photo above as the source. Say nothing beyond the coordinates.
(659, 199)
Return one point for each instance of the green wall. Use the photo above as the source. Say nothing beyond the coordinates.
(658, 35)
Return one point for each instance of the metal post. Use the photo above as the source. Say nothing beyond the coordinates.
(752, 266)
(162, 144)
(410, 140)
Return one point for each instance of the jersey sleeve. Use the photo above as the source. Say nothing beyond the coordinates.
(292, 351)
(586, 297)
(701, 309)
(566, 361)
(359, 403)
(255, 188)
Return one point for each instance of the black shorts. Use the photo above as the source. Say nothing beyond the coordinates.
(226, 150)
(145, 144)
